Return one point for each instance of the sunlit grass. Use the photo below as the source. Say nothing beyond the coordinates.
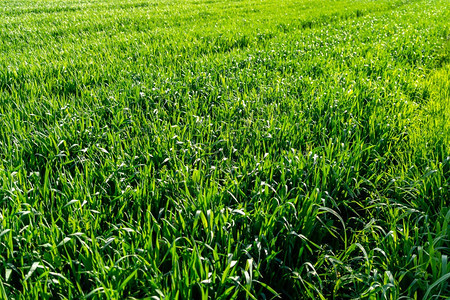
(224, 149)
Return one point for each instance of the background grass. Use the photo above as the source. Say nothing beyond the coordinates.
(224, 149)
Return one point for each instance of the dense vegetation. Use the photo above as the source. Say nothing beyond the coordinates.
(203, 149)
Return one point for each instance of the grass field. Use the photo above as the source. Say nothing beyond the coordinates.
(206, 149)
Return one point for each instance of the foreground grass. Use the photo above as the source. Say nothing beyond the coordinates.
(224, 149)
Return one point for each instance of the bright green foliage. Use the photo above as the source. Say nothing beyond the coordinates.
(206, 149)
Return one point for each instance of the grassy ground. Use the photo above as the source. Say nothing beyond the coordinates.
(224, 149)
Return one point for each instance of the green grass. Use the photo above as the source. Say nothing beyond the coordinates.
(244, 149)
